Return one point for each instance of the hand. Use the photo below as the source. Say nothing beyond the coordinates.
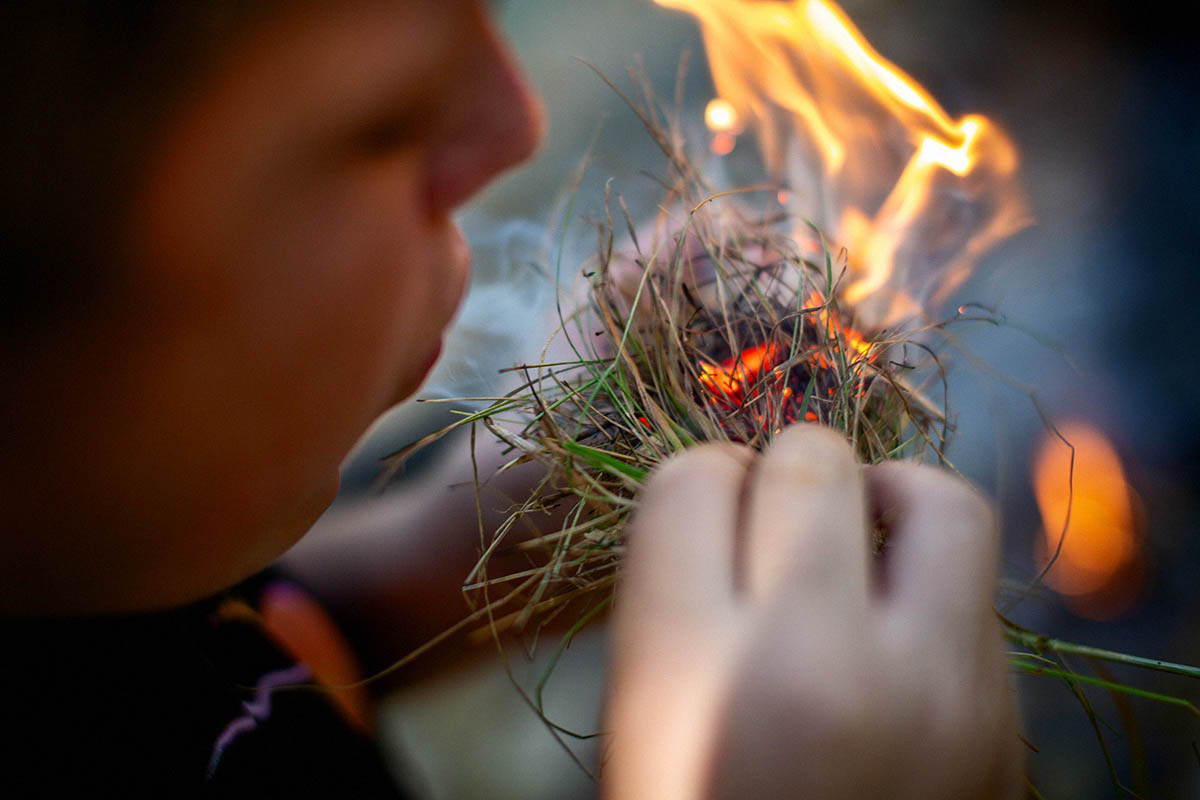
(761, 651)
(391, 568)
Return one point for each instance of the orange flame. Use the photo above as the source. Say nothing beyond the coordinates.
(914, 195)
(1099, 563)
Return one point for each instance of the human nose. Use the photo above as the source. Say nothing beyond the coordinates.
(494, 121)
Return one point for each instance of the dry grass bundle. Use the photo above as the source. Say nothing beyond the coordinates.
(721, 327)
(717, 323)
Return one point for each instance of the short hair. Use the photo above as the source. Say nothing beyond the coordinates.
(85, 85)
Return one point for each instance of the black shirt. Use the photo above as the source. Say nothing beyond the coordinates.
(192, 702)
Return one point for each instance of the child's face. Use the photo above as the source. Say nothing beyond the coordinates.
(294, 259)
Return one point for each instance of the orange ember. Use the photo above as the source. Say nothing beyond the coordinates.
(763, 382)
(835, 331)
(728, 379)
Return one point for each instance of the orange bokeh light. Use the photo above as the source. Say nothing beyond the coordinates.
(1100, 551)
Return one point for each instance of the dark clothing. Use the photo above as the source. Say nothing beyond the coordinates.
(192, 702)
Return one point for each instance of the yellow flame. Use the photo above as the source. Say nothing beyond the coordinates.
(914, 195)
(1100, 541)
(834, 26)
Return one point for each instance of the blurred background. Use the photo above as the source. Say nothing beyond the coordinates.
(1097, 302)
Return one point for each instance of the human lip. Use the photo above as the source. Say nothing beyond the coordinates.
(461, 259)
(433, 358)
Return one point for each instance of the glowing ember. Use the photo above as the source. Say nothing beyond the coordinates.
(1099, 559)
(835, 330)
(914, 195)
(778, 382)
(728, 379)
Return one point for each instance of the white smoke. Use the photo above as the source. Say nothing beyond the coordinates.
(507, 317)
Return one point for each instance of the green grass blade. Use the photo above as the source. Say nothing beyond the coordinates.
(605, 461)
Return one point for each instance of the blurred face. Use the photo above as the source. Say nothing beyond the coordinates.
(293, 268)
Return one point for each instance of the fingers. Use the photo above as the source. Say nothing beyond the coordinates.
(806, 522)
(681, 540)
(671, 639)
(942, 546)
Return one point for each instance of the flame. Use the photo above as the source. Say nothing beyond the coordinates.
(1100, 554)
(913, 194)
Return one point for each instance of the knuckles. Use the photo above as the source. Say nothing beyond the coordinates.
(955, 497)
(804, 453)
(960, 497)
(697, 468)
(810, 454)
